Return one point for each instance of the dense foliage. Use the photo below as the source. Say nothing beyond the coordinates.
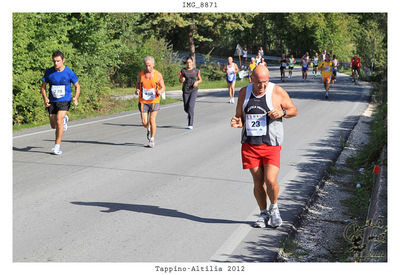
(107, 49)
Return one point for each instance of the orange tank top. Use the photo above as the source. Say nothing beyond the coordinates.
(149, 88)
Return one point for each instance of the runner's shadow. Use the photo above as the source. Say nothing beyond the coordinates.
(155, 210)
(141, 126)
(123, 124)
(29, 149)
(102, 142)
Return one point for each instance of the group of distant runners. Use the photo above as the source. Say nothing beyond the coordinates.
(327, 65)
(261, 107)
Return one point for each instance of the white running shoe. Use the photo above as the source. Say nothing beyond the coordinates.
(262, 220)
(56, 150)
(66, 118)
(233, 100)
(189, 127)
(275, 219)
(152, 143)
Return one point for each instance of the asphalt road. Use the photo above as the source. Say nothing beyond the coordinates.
(108, 198)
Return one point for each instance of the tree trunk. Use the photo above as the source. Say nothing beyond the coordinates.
(192, 50)
(373, 52)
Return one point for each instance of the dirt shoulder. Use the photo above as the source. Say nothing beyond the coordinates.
(321, 235)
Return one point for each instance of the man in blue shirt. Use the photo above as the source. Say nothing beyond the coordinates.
(58, 102)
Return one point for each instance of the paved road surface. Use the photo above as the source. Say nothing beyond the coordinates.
(109, 198)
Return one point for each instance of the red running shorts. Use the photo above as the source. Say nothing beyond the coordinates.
(257, 155)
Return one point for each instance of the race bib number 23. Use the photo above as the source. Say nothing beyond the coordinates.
(256, 124)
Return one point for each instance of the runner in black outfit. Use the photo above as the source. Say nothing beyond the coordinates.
(190, 77)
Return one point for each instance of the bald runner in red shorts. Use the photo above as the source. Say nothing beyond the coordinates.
(259, 111)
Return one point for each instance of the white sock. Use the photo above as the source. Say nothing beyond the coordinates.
(273, 205)
(57, 146)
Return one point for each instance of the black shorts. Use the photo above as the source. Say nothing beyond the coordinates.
(148, 107)
(355, 68)
(58, 106)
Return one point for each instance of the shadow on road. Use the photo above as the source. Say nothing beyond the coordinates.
(101, 142)
(155, 210)
(311, 89)
(149, 172)
(29, 149)
(299, 193)
(335, 94)
(141, 126)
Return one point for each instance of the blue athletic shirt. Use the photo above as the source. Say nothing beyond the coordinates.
(60, 83)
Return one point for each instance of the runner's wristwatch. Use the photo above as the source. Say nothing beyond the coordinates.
(284, 113)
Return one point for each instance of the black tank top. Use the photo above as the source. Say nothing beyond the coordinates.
(263, 129)
(256, 105)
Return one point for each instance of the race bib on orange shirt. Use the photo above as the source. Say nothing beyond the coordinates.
(148, 94)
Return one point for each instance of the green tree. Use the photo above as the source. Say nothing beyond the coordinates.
(199, 27)
(371, 39)
(35, 37)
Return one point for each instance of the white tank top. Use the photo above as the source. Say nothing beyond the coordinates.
(230, 70)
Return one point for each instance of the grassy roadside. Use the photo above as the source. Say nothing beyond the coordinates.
(362, 165)
(356, 180)
(369, 155)
(111, 106)
(218, 84)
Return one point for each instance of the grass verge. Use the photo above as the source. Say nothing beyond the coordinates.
(109, 106)
(206, 84)
(363, 164)
(360, 167)
(367, 157)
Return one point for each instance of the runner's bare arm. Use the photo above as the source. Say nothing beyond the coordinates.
(285, 103)
(237, 120)
(181, 78)
(77, 93)
(198, 81)
(45, 98)
(137, 91)
(161, 84)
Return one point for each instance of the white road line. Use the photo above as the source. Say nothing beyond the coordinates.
(227, 248)
(95, 121)
(236, 238)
